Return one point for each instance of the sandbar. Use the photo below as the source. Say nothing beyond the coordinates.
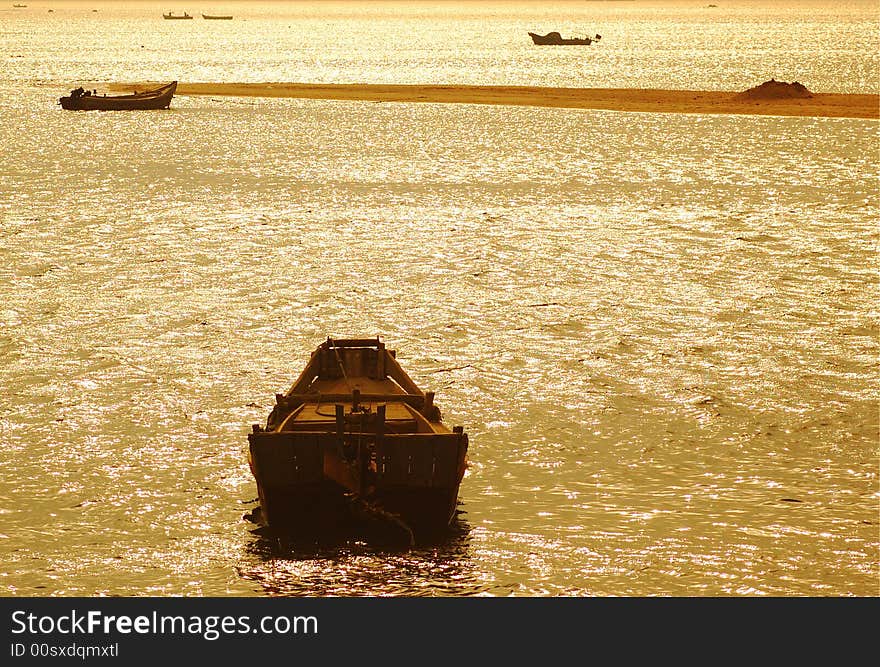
(819, 105)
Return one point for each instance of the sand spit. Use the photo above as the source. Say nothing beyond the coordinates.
(769, 100)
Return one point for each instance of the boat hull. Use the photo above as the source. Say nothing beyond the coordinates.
(306, 481)
(158, 99)
(376, 454)
(555, 39)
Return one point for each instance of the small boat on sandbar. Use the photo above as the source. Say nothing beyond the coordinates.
(215, 17)
(356, 443)
(172, 16)
(89, 100)
(556, 39)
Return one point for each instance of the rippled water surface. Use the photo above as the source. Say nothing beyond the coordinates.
(660, 331)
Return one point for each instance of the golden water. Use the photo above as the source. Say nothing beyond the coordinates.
(660, 331)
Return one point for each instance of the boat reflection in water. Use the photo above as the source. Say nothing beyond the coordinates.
(354, 568)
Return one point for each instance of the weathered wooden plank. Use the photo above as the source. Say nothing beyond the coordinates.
(400, 376)
(415, 400)
(309, 373)
(352, 342)
(289, 458)
(417, 459)
(446, 457)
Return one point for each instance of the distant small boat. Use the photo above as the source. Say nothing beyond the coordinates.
(19, 6)
(555, 39)
(214, 17)
(172, 15)
(85, 100)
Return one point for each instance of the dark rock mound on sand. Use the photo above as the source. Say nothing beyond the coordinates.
(776, 90)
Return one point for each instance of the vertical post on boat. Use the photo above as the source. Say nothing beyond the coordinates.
(366, 454)
(380, 360)
(380, 421)
(428, 407)
(340, 419)
(340, 427)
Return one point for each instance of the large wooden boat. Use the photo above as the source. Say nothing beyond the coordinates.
(555, 39)
(353, 437)
(171, 16)
(84, 100)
